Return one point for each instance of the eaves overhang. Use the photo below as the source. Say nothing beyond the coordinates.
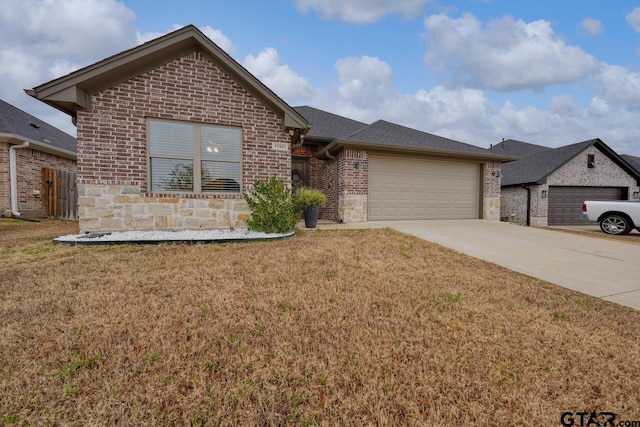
(338, 145)
(72, 93)
(38, 145)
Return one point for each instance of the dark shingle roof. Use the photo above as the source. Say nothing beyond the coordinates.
(633, 161)
(512, 147)
(535, 168)
(14, 121)
(386, 133)
(326, 125)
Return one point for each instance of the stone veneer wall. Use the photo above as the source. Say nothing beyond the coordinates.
(353, 173)
(491, 191)
(29, 163)
(123, 207)
(112, 147)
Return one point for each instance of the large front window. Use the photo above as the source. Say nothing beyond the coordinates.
(194, 158)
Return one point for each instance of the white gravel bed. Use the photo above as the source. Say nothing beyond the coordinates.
(158, 236)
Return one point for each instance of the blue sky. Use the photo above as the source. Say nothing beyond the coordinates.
(550, 73)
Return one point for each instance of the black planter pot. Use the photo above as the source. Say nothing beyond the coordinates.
(311, 216)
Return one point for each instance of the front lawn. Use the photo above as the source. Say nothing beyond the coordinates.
(367, 327)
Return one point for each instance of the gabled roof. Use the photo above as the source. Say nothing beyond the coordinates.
(328, 126)
(512, 147)
(633, 161)
(535, 168)
(386, 136)
(72, 93)
(19, 126)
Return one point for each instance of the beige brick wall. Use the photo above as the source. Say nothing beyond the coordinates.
(112, 146)
(514, 205)
(605, 173)
(29, 164)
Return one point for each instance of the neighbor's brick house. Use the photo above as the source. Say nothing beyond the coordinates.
(173, 133)
(48, 148)
(548, 186)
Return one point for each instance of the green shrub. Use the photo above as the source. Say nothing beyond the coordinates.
(272, 207)
(310, 197)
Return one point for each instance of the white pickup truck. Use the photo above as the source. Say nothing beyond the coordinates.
(615, 217)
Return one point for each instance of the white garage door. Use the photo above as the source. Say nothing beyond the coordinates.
(405, 188)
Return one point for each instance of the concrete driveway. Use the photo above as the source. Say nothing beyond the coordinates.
(605, 268)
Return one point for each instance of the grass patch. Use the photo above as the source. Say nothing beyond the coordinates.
(366, 327)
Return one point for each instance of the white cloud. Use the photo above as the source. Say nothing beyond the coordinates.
(633, 19)
(504, 55)
(361, 11)
(592, 26)
(72, 28)
(217, 36)
(364, 81)
(43, 40)
(285, 82)
(619, 86)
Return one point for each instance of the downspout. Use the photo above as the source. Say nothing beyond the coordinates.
(298, 144)
(13, 173)
(528, 205)
(337, 191)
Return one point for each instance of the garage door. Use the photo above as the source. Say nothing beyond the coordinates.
(565, 203)
(405, 188)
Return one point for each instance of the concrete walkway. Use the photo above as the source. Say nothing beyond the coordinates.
(605, 268)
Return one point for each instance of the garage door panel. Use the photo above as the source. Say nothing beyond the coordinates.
(565, 203)
(404, 188)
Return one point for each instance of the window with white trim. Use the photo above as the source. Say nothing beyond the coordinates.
(194, 158)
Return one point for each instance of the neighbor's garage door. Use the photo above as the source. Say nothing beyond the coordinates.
(565, 203)
(409, 188)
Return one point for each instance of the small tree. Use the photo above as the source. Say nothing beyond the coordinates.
(272, 207)
(181, 178)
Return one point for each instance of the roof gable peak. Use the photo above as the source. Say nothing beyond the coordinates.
(72, 93)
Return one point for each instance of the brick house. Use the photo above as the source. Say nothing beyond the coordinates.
(384, 171)
(548, 186)
(172, 133)
(34, 145)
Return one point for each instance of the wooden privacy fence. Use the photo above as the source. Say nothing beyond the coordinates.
(59, 194)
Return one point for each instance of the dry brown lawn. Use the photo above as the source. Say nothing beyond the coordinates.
(367, 327)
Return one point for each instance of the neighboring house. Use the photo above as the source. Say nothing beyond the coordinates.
(384, 171)
(548, 186)
(27, 147)
(633, 161)
(519, 149)
(173, 133)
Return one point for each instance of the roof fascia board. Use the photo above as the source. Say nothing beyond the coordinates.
(340, 144)
(45, 148)
(135, 61)
(617, 159)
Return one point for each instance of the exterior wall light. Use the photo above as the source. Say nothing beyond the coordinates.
(497, 174)
(357, 166)
(636, 195)
(544, 194)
